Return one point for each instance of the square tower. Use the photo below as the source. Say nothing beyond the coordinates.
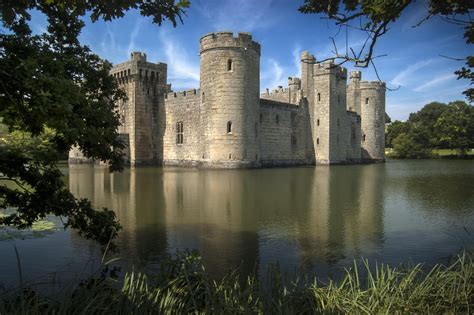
(142, 114)
(329, 113)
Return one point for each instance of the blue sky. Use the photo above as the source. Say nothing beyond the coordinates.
(413, 59)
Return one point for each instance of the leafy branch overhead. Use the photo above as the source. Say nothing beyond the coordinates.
(374, 18)
(54, 94)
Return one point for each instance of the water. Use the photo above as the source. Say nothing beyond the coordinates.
(311, 219)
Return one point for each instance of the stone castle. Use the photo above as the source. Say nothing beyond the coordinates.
(227, 123)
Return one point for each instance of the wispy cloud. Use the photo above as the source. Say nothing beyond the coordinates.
(239, 15)
(296, 53)
(402, 77)
(182, 72)
(133, 36)
(434, 82)
(272, 74)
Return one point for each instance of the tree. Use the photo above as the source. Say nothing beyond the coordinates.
(394, 130)
(54, 94)
(427, 117)
(412, 144)
(456, 127)
(373, 17)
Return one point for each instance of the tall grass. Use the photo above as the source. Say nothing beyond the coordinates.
(184, 286)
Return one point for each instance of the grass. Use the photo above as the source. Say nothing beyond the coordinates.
(184, 286)
(450, 152)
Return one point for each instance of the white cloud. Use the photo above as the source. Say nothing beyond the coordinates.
(404, 76)
(272, 75)
(182, 72)
(434, 82)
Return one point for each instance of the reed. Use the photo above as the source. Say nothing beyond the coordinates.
(183, 286)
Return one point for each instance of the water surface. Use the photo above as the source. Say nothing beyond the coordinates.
(314, 219)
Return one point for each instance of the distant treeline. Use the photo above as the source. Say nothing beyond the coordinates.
(435, 126)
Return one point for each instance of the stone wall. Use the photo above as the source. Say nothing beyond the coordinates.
(282, 136)
(182, 107)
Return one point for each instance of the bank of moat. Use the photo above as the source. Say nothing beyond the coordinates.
(227, 123)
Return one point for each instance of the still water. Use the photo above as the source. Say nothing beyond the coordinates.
(311, 219)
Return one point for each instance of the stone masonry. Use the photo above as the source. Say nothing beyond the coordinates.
(227, 123)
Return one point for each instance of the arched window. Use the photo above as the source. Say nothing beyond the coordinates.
(179, 133)
(203, 97)
(229, 127)
(317, 122)
(367, 100)
(229, 65)
(317, 141)
(319, 97)
(363, 138)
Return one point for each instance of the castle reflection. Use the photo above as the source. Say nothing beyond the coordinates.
(311, 217)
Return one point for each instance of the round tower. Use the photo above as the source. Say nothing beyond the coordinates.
(230, 95)
(372, 111)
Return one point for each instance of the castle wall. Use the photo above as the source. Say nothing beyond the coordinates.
(292, 94)
(182, 107)
(282, 136)
(352, 136)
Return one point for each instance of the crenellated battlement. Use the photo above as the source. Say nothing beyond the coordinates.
(372, 85)
(182, 94)
(355, 75)
(294, 82)
(329, 67)
(227, 40)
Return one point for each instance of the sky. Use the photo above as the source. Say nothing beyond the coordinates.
(414, 64)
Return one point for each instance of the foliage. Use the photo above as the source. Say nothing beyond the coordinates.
(394, 130)
(55, 94)
(374, 17)
(183, 286)
(455, 127)
(435, 126)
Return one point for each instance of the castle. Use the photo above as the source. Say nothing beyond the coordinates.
(227, 123)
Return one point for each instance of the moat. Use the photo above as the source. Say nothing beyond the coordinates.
(315, 219)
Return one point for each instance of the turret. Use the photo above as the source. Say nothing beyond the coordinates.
(353, 92)
(372, 108)
(230, 82)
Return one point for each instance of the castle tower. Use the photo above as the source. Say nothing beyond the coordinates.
(230, 96)
(329, 113)
(353, 92)
(372, 111)
(142, 114)
(294, 90)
